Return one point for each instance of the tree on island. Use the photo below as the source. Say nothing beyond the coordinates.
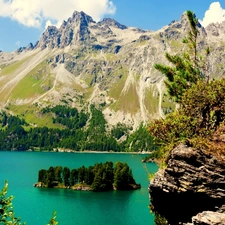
(100, 177)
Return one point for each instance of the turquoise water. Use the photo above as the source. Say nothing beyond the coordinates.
(35, 206)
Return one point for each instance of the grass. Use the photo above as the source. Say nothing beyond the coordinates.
(36, 82)
(111, 57)
(116, 89)
(88, 79)
(88, 94)
(14, 66)
(127, 102)
(176, 44)
(32, 115)
(152, 100)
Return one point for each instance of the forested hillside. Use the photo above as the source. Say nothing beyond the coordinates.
(74, 131)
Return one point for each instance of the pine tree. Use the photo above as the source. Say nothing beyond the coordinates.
(189, 67)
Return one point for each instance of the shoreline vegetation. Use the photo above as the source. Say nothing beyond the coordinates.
(100, 177)
(102, 152)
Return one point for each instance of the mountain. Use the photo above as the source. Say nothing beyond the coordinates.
(105, 63)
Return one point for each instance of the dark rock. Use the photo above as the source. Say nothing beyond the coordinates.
(112, 22)
(144, 38)
(60, 58)
(193, 182)
(117, 49)
(20, 49)
(30, 46)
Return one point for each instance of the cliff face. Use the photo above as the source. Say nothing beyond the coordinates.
(191, 188)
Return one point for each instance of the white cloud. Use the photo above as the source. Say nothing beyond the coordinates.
(215, 14)
(33, 13)
(48, 23)
(17, 44)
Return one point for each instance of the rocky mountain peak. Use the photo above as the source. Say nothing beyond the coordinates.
(113, 23)
(177, 30)
(50, 38)
(81, 17)
(71, 32)
(216, 29)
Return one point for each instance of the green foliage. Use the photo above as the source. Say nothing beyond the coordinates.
(160, 220)
(7, 216)
(123, 177)
(139, 141)
(97, 121)
(80, 131)
(53, 220)
(69, 117)
(201, 102)
(189, 67)
(100, 177)
(201, 113)
(119, 130)
(174, 128)
(66, 176)
(205, 102)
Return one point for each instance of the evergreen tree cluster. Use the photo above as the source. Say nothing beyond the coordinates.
(100, 177)
(69, 117)
(79, 131)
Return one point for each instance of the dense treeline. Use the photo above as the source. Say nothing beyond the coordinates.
(79, 131)
(100, 177)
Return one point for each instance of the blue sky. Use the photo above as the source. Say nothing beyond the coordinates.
(23, 21)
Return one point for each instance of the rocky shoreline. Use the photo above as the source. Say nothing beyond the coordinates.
(80, 187)
(191, 190)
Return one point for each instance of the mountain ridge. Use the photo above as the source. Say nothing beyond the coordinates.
(104, 63)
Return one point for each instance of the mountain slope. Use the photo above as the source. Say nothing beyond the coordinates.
(105, 63)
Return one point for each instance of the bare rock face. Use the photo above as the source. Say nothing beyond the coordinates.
(208, 218)
(193, 182)
(112, 22)
(216, 29)
(72, 31)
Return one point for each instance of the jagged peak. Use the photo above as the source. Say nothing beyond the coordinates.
(81, 16)
(184, 19)
(51, 30)
(112, 22)
(216, 29)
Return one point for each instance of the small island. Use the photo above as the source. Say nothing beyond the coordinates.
(100, 177)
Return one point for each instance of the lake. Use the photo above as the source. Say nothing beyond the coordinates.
(35, 206)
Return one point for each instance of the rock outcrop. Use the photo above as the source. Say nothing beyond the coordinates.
(73, 31)
(191, 188)
(208, 218)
